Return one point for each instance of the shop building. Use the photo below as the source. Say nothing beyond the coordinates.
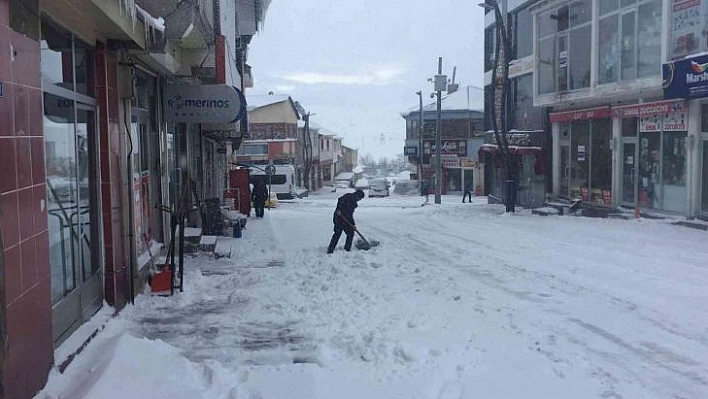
(88, 153)
(528, 131)
(620, 137)
(461, 138)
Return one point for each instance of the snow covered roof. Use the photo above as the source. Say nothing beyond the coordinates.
(468, 98)
(262, 100)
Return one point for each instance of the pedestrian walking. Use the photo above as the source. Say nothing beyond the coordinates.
(259, 195)
(468, 192)
(343, 219)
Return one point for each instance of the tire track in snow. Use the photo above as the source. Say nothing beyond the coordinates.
(664, 358)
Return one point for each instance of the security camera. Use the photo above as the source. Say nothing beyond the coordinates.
(432, 95)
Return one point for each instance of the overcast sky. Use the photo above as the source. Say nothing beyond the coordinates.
(358, 64)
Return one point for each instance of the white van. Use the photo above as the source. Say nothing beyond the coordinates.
(282, 182)
(378, 188)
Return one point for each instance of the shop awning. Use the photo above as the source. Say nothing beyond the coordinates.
(514, 150)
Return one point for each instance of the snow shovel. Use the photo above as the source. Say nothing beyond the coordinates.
(363, 243)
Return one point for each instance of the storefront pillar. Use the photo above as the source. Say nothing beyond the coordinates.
(616, 147)
(693, 158)
(555, 133)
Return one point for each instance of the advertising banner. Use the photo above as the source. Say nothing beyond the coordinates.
(686, 26)
(686, 78)
(203, 104)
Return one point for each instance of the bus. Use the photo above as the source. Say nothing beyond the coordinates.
(282, 182)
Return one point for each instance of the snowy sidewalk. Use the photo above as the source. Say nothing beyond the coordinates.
(459, 301)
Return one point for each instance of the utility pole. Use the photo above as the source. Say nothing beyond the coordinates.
(440, 86)
(420, 142)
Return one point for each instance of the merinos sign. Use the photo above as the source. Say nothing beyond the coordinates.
(203, 104)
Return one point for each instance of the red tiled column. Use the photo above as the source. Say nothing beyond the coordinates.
(112, 160)
(23, 222)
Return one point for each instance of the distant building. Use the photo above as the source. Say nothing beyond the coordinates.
(462, 136)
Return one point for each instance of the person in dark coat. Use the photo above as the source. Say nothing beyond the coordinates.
(343, 219)
(259, 195)
(468, 192)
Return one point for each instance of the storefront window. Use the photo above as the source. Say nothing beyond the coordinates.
(62, 192)
(704, 191)
(609, 49)
(649, 39)
(71, 157)
(649, 166)
(608, 6)
(560, 67)
(628, 171)
(580, 160)
(580, 12)
(490, 37)
(523, 34)
(562, 63)
(601, 165)
(454, 180)
(674, 171)
(56, 55)
(547, 66)
(580, 57)
(704, 118)
(627, 44)
(629, 38)
(524, 116)
(84, 67)
(629, 127)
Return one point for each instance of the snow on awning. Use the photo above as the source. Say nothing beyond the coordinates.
(492, 148)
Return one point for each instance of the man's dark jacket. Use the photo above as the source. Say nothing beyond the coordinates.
(345, 210)
(259, 193)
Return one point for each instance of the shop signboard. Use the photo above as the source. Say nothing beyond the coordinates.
(410, 150)
(448, 147)
(686, 78)
(675, 122)
(581, 114)
(204, 104)
(653, 108)
(450, 162)
(521, 66)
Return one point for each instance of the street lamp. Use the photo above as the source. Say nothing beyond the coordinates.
(498, 109)
(420, 142)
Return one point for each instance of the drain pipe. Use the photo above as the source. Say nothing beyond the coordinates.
(132, 260)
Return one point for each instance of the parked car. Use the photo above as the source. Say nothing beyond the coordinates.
(378, 188)
(342, 184)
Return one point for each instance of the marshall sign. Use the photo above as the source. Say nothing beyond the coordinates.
(203, 104)
(687, 78)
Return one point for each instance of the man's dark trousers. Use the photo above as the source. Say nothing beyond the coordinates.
(338, 228)
(259, 208)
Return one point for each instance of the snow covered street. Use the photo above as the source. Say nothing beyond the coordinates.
(458, 301)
